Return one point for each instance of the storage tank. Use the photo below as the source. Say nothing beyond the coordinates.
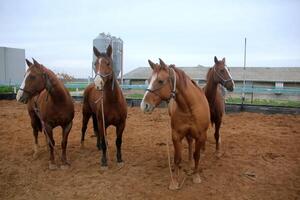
(101, 42)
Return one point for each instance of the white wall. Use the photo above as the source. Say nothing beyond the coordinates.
(12, 65)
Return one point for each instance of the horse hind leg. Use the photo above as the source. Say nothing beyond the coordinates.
(35, 145)
(85, 119)
(66, 131)
(51, 143)
(190, 151)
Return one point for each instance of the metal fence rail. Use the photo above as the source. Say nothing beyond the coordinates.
(238, 89)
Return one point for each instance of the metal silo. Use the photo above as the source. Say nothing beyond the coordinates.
(101, 42)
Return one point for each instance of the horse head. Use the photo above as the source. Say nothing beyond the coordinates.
(103, 67)
(162, 86)
(222, 75)
(35, 80)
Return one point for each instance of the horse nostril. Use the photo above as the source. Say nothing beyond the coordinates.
(146, 106)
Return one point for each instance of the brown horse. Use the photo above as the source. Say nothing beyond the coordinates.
(218, 74)
(188, 109)
(49, 105)
(105, 88)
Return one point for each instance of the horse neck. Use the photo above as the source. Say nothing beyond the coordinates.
(55, 88)
(211, 88)
(186, 94)
(111, 90)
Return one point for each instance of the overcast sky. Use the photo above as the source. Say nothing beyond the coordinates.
(59, 34)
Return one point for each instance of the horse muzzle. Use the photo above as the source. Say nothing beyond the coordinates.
(146, 107)
(99, 82)
(22, 97)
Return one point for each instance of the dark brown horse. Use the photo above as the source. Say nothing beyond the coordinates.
(49, 105)
(188, 109)
(106, 88)
(218, 74)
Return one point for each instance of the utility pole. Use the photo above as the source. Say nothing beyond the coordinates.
(244, 71)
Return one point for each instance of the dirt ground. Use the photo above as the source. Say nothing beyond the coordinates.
(260, 160)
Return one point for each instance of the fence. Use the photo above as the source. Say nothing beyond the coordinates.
(286, 96)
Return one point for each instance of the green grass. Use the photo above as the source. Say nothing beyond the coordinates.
(6, 89)
(270, 102)
(135, 96)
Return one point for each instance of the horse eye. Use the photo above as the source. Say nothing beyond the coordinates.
(160, 81)
(31, 77)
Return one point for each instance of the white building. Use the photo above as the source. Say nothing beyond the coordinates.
(12, 65)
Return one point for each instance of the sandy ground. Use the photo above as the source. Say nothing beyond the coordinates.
(260, 160)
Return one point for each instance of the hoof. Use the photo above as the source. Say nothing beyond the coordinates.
(174, 185)
(196, 178)
(35, 155)
(120, 164)
(218, 154)
(82, 145)
(104, 168)
(52, 166)
(64, 166)
(189, 172)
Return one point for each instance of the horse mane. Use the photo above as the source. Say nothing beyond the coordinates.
(209, 74)
(183, 78)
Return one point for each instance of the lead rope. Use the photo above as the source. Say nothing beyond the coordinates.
(103, 123)
(170, 138)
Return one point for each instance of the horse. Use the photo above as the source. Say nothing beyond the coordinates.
(218, 74)
(49, 105)
(106, 90)
(188, 109)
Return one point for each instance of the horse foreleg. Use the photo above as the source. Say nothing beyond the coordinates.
(64, 142)
(119, 133)
(51, 143)
(174, 184)
(95, 125)
(217, 135)
(101, 144)
(198, 146)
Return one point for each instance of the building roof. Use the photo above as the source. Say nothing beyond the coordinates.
(264, 74)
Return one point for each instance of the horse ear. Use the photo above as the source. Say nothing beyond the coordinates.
(96, 52)
(216, 60)
(152, 64)
(29, 64)
(109, 50)
(35, 62)
(162, 64)
(223, 60)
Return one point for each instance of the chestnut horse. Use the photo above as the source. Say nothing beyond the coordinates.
(49, 105)
(188, 109)
(218, 74)
(105, 88)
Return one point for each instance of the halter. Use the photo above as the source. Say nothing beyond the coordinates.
(48, 85)
(173, 91)
(224, 81)
(106, 75)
